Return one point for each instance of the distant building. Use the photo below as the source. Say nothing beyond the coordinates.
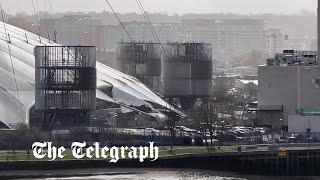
(224, 82)
(140, 31)
(201, 30)
(229, 37)
(24, 24)
(71, 29)
(314, 45)
(107, 58)
(248, 88)
(241, 71)
(244, 35)
(242, 84)
(302, 44)
(275, 41)
(288, 83)
(110, 35)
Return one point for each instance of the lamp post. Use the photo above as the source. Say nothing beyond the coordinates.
(282, 129)
(136, 120)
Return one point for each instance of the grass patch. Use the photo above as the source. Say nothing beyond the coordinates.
(23, 156)
(192, 150)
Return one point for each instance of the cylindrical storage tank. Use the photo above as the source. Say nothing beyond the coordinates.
(139, 59)
(187, 69)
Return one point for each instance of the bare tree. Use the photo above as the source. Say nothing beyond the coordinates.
(203, 118)
(80, 134)
(21, 139)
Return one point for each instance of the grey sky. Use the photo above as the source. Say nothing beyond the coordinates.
(170, 6)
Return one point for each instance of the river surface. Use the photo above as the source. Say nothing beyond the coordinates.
(154, 174)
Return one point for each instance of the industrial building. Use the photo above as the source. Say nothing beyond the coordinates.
(17, 84)
(288, 84)
(187, 72)
(142, 61)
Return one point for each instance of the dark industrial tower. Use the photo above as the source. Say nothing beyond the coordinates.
(65, 80)
(141, 60)
(187, 72)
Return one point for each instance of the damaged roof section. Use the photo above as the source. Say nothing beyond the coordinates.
(112, 86)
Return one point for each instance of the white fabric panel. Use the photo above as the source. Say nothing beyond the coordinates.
(126, 89)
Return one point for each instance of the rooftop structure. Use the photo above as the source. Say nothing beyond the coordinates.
(294, 58)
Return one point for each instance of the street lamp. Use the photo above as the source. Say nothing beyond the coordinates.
(282, 129)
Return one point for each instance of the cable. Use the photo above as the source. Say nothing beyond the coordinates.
(38, 25)
(120, 21)
(45, 10)
(150, 25)
(20, 15)
(12, 66)
(20, 12)
(153, 31)
(132, 41)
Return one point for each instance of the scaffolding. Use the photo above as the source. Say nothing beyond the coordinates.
(65, 83)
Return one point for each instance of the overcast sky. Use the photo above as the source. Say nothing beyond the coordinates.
(169, 6)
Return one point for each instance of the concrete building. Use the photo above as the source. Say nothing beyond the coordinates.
(71, 29)
(110, 35)
(201, 30)
(244, 35)
(302, 44)
(288, 83)
(140, 31)
(229, 37)
(275, 41)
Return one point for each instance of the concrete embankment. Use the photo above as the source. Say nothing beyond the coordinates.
(290, 163)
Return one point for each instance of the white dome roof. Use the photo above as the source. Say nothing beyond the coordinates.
(126, 89)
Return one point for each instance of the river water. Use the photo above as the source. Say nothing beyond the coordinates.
(159, 174)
